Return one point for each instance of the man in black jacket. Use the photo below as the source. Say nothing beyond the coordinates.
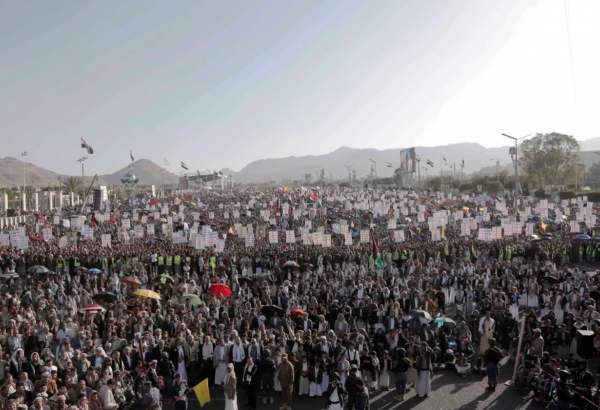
(250, 382)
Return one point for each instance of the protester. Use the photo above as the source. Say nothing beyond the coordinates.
(230, 389)
(491, 358)
(302, 312)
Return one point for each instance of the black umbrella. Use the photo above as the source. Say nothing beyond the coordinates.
(551, 279)
(271, 310)
(106, 297)
(246, 279)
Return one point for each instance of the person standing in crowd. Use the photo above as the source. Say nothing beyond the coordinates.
(352, 387)
(491, 358)
(286, 379)
(362, 396)
(401, 366)
(179, 392)
(230, 388)
(487, 325)
(335, 393)
(424, 367)
(250, 382)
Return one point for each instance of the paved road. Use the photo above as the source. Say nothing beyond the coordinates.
(450, 392)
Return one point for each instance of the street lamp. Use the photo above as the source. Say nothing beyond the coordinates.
(514, 155)
(82, 161)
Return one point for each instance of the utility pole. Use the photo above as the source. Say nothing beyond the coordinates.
(82, 161)
(418, 159)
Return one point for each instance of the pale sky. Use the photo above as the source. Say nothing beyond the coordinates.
(222, 83)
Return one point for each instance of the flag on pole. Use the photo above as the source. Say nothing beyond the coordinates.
(445, 160)
(24, 153)
(183, 165)
(87, 146)
(388, 164)
(430, 163)
(131, 156)
(202, 392)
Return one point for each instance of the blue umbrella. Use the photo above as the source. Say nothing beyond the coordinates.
(583, 237)
(94, 271)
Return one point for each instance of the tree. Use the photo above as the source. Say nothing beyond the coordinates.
(550, 159)
(71, 184)
(592, 177)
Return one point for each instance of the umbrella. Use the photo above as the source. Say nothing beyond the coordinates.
(297, 312)
(551, 279)
(271, 310)
(163, 279)
(291, 264)
(106, 297)
(131, 280)
(38, 269)
(583, 237)
(246, 279)
(9, 275)
(94, 271)
(193, 299)
(92, 309)
(444, 321)
(146, 293)
(220, 289)
(421, 314)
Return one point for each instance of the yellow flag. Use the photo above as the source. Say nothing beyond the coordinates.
(202, 392)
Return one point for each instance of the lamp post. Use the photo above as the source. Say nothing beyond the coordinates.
(514, 153)
(82, 161)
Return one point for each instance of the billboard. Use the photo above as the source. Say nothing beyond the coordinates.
(408, 160)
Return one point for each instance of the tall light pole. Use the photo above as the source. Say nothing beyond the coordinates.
(514, 153)
(82, 161)
(24, 154)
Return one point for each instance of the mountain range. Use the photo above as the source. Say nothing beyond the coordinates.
(335, 165)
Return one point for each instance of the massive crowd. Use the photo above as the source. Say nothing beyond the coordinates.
(338, 321)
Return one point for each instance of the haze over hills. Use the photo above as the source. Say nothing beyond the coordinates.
(148, 173)
(12, 171)
(335, 164)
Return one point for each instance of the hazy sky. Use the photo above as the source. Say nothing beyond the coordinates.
(221, 83)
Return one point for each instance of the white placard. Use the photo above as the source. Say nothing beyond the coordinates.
(273, 237)
(106, 240)
(484, 234)
(348, 238)
(62, 242)
(574, 225)
(47, 234)
(364, 236)
(399, 235)
(290, 236)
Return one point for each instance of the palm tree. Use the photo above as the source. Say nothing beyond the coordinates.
(72, 184)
